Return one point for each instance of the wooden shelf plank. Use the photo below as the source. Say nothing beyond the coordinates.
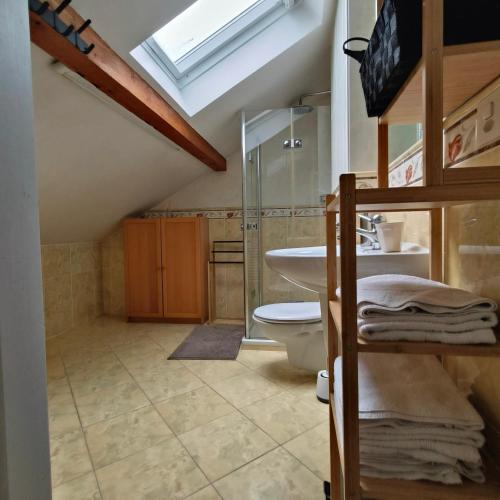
(405, 347)
(421, 197)
(467, 69)
(337, 432)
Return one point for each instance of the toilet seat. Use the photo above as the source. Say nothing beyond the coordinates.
(289, 313)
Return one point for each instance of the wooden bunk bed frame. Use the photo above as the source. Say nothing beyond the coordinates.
(444, 79)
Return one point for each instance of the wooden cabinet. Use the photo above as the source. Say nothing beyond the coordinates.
(143, 268)
(166, 268)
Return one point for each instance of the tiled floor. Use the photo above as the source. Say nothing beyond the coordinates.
(126, 423)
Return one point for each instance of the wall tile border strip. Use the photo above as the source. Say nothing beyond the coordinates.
(237, 213)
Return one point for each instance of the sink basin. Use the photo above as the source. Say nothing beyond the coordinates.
(306, 267)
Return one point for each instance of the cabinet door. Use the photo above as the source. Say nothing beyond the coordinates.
(181, 273)
(143, 268)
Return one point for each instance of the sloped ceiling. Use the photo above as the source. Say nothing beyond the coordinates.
(96, 166)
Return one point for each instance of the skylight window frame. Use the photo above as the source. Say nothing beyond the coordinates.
(220, 44)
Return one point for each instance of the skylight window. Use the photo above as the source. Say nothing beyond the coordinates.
(208, 31)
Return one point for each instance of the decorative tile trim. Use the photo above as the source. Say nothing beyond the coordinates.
(407, 170)
(237, 213)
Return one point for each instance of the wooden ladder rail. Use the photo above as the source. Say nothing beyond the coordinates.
(333, 348)
(432, 103)
(349, 343)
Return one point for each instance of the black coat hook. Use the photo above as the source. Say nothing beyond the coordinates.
(68, 30)
(62, 6)
(51, 18)
(84, 26)
(89, 49)
(40, 11)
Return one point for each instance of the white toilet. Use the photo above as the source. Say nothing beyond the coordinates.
(298, 326)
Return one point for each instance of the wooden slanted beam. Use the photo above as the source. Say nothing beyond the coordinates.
(107, 71)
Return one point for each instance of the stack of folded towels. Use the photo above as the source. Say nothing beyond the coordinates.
(413, 422)
(399, 307)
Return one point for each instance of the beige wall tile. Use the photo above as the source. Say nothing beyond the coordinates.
(72, 285)
(113, 274)
(473, 263)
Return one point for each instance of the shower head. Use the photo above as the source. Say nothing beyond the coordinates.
(302, 109)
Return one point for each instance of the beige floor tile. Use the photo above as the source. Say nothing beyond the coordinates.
(225, 444)
(207, 493)
(109, 403)
(246, 389)
(275, 476)
(103, 372)
(160, 384)
(211, 371)
(313, 449)
(63, 416)
(304, 390)
(284, 374)
(187, 411)
(59, 386)
(85, 354)
(141, 365)
(89, 366)
(165, 471)
(51, 347)
(142, 347)
(125, 435)
(55, 368)
(81, 488)
(171, 337)
(122, 338)
(256, 358)
(69, 457)
(285, 415)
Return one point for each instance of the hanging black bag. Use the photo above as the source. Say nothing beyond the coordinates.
(395, 46)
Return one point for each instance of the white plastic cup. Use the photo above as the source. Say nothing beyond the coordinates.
(389, 236)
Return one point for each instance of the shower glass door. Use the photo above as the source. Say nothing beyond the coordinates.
(286, 172)
(251, 233)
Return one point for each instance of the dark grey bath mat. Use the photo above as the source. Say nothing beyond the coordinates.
(211, 342)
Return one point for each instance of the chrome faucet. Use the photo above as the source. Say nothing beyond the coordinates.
(369, 234)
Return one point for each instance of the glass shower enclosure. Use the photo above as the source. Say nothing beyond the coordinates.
(286, 174)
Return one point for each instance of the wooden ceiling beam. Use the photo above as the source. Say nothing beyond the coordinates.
(107, 71)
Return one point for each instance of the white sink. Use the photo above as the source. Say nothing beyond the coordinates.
(306, 267)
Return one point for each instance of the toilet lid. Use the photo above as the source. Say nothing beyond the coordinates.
(290, 312)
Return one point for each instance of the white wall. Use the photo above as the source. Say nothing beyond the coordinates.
(211, 190)
(354, 135)
(24, 442)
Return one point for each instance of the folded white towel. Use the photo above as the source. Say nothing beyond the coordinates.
(415, 389)
(397, 429)
(388, 293)
(484, 336)
(430, 472)
(425, 323)
(414, 423)
(444, 318)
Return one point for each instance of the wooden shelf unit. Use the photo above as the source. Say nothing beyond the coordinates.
(344, 341)
(467, 69)
(444, 79)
